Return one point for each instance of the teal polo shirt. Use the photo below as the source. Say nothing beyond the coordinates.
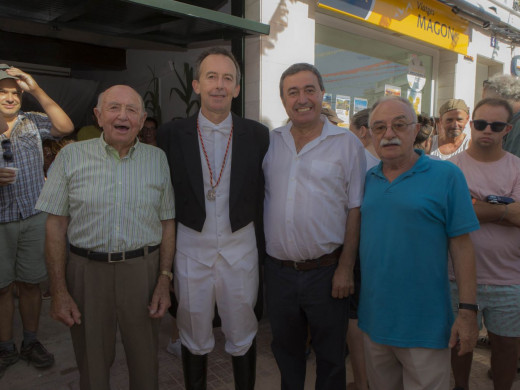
(405, 231)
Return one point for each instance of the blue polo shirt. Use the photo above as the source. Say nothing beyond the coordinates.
(405, 231)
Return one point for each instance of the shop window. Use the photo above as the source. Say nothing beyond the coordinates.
(358, 70)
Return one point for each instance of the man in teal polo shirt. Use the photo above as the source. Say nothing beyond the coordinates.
(415, 210)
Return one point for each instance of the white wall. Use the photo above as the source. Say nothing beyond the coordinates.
(458, 76)
(291, 40)
(446, 78)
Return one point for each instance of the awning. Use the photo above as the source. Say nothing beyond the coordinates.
(245, 26)
(78, 28)
(484, 18)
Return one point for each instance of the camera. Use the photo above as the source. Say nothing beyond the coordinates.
(495, 199)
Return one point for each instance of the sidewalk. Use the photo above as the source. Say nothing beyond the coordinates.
(64, 374)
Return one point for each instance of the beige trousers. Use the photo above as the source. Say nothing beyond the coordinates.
(111, 296)
(394, 368)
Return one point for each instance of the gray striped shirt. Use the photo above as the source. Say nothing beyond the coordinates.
(114, 204)
(17, 200)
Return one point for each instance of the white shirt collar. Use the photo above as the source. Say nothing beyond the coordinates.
(223, 127)
(328, 128)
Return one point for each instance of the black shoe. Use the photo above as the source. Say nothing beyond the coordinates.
(7, 358)
(36, 354)
(195, 368)
(244, 369)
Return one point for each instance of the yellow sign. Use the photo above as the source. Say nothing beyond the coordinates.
(426, 20)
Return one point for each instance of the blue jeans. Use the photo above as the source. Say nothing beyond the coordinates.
(297, 300)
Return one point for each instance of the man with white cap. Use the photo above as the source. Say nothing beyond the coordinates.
(22, 227)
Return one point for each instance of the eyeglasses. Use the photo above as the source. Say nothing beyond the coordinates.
(397, 127)
(8, 154)
(496, 127)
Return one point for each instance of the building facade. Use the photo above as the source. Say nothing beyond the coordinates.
(426, 50)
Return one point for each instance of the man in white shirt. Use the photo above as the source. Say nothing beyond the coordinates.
(453, 137)
(314, 174)
(215, 160)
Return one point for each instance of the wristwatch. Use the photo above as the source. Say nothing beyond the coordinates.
(469, 306)
(168, 274)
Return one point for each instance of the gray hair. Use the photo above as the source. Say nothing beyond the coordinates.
(216, 51)
(504, 85)
(102, 94)
(400, 99)
(297, 68)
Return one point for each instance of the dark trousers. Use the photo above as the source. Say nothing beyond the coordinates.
(296, 300)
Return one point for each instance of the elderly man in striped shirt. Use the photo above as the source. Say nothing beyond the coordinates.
(113, 198)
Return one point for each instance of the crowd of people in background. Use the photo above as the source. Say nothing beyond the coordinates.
(366, 240)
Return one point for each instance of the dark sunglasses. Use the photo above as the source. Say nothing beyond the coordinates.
(497, 127)
(8, 154)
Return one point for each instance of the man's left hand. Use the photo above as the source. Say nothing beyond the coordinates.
(464, 332)
(342, 283)
(160, 299)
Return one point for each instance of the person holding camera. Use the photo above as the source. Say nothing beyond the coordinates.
(22, 227)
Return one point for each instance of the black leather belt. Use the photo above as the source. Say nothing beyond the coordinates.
(112, 257)
(307, 265)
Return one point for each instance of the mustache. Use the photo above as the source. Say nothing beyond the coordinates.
(393, 141)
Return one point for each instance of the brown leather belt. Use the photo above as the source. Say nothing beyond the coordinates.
(112, 257)
(307, 265)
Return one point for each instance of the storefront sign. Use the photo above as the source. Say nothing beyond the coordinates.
(425, 20)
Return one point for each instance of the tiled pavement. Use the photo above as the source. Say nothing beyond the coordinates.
(64, 374)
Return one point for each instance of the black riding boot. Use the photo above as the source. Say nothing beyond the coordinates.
(195, 368)
(244, 369)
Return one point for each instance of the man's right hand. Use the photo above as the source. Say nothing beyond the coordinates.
(7, 176)
(64, 309)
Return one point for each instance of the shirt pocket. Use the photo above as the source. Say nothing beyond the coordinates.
(326, 176)
(29, 141)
